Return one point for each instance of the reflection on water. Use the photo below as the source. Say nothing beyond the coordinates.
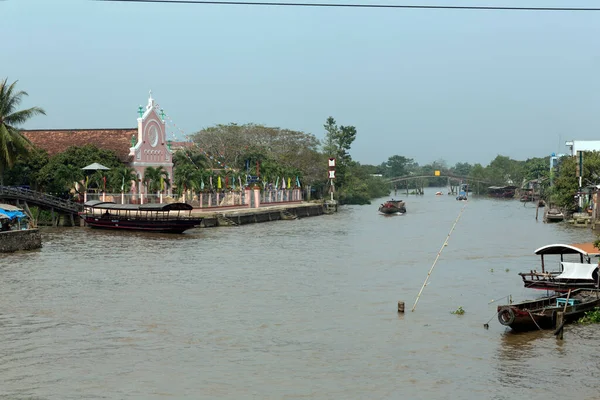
(289, 310)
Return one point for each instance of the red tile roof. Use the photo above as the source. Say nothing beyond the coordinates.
(56, 141)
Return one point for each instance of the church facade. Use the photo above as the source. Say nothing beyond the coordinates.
(146, 146)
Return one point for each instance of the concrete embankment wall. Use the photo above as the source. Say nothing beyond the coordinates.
(20, 240)
(250, 216)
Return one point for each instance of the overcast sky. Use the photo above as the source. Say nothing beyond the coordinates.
(463, 86)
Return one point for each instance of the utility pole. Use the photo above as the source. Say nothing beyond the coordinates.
(579, 170)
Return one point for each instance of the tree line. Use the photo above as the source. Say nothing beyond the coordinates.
(233, 153)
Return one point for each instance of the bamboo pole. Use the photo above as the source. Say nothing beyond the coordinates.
(438, 256)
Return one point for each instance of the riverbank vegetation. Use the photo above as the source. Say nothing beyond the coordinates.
(237, 155)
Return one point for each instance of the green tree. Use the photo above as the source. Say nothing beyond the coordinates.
(49, 178)
(361, 187)
(187, 177)
(119, 179)
(396, 166)
(461, 169)
(566, 183)
(66, 176)
(478, 174)
(230, 146)
(338, 141)
(12, 143)
(505, 171)
(26, 170)
(156, 179)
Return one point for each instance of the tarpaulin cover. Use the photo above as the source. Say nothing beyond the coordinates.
(12, 214)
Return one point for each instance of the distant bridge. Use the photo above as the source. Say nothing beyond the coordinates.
(24, 197)
(454, 177)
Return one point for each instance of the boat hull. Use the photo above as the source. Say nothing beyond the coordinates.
(541, 313)
(391, 210)
(393, 207)
(161, 226)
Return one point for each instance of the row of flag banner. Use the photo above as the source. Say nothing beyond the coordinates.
(227, 182)
(232, 184)
(164, 114)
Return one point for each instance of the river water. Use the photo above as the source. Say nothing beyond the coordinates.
(301, 309)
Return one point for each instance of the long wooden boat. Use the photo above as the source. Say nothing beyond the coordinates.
(393, 207)
(581, 272)
(541, 313)
(166, 218)
(502, 192)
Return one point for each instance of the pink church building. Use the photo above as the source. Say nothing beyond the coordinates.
(151, 148)
(146, 146)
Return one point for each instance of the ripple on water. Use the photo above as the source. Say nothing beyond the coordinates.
(288, 310)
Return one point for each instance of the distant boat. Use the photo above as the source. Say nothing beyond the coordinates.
(462, 196)
(393, 207)
(438, 193)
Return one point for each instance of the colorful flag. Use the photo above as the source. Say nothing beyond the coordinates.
(202, 184)
(123, 184)
(219, 182)
(162, 183)
(298, 182)
(283, 183)
(289, 183)
(233, 183)
(210, 181)
(277, 183)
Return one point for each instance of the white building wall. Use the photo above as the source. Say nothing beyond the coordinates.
(582, 145)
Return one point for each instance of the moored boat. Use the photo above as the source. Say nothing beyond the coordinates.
(575, 268)
(502, 192)
(393, 207)
(541, 313)
(553, 215)
(166, 218)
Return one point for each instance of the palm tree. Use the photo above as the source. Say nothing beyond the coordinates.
(12, 142)
(156, 179)
(187, 178)
(66, 176)
(120, 178)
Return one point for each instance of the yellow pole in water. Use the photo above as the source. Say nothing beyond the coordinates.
(438, 256)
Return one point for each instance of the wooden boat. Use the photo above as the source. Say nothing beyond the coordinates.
(166, 218)
(393, 207)
(541, 313)
(439, 193)
(553, 215)
(581, 273)
(502, 192)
